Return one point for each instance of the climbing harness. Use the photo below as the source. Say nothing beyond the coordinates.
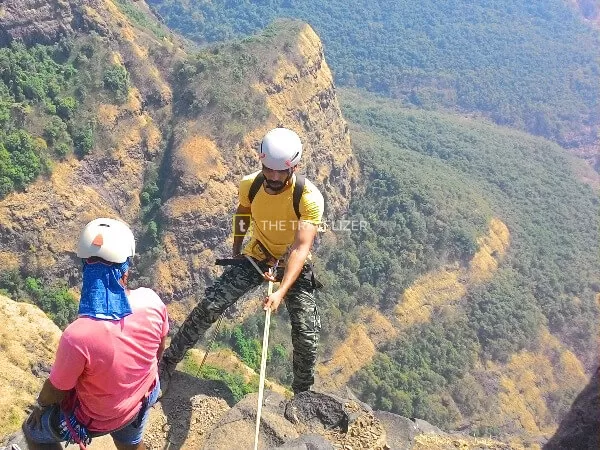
(226, 262)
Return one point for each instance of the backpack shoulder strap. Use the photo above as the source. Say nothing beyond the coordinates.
(256, 184)
(297, 195)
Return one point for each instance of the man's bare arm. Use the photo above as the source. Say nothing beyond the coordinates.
(161, 348)
(50, 395)
(305, 236)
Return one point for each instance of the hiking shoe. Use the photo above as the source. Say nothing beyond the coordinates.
(165, 373)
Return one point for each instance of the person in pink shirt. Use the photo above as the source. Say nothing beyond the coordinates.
(105, 375)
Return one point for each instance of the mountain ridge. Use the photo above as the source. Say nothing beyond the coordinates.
(176, 127)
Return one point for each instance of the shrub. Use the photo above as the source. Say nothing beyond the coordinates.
(116, 80)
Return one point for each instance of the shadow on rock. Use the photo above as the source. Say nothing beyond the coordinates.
(580, 429)
(318, 410)
(180, 402)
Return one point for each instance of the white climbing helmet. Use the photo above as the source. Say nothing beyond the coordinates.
(280, 149)
(108, 239)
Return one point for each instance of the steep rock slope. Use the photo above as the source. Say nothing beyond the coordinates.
(39, 227)
(198, 152)
(287, 79)
(40, 21)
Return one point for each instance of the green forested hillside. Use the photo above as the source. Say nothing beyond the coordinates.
(526, 181)
(548, 278)
(55, 300)
(431, 184)
(46, 98)
(528, 65)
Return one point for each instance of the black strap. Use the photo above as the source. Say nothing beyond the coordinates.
(256, 184)
(231, 261)
(296, 196)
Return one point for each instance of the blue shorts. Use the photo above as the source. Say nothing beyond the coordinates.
(132, 433)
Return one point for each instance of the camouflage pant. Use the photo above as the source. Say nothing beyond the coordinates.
(227, 289)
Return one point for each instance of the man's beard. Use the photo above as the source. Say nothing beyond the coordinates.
(275, 185)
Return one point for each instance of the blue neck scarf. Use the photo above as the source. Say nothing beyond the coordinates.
(102, 295)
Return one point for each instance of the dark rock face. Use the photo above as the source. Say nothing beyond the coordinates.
(312, 407)
(44, 21)
(33, 21)
(580, 429)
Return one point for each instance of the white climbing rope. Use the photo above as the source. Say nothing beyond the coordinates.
(263, 362)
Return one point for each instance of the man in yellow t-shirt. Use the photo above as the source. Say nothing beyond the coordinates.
(283, 211)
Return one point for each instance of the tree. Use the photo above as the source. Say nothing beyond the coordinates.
(24, 161)
(55, 130)
(65, 107)
(83, 140)
(116, 80)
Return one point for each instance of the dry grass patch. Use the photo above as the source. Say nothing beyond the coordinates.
(28, 339)
(379, 328)
(529, 379)
(436, 442)
(107, 115)
(199, 157)
(447, 286)
(428, 293)
(353, 354)
(492, 249)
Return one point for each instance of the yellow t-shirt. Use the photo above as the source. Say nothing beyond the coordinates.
(274, 221)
